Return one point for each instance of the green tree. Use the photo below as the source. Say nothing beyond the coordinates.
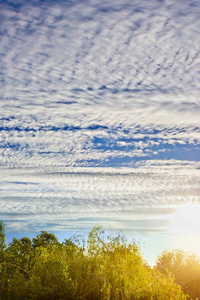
(2, 257)
(45, 239)
(104, 268)
(2, 238)
(186, 270)
(49, 278)
(19, 252)
(114, 269)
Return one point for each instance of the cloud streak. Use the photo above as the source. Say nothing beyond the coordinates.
(122, 194)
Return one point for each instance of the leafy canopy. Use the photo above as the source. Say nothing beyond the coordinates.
(99, 267)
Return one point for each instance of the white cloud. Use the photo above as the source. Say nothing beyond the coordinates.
(116, 194)
(92, 84)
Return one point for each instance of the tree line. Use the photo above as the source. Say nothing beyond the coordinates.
(98, 267)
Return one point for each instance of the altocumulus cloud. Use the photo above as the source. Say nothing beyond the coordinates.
(99, 112)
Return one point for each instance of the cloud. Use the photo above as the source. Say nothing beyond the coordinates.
(65, 196)
(99, 103)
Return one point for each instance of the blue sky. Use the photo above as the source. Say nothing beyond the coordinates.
(99, 119)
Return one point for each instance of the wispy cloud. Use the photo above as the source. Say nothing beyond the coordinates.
(62, 197)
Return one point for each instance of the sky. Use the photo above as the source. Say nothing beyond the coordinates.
(99, 119)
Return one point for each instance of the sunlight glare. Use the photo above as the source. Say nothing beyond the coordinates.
(186, 220)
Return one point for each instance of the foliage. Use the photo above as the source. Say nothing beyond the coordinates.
(49, 278)
(45, 239)
(19, 252)
(115, 270)
(103, 268)
(2, 238)
(185, 267)
(2, 255)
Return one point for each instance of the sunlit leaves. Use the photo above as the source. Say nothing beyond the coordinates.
(101, 267)
(49, 278)
(185, 267)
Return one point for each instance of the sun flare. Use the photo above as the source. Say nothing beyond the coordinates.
(186, 220)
